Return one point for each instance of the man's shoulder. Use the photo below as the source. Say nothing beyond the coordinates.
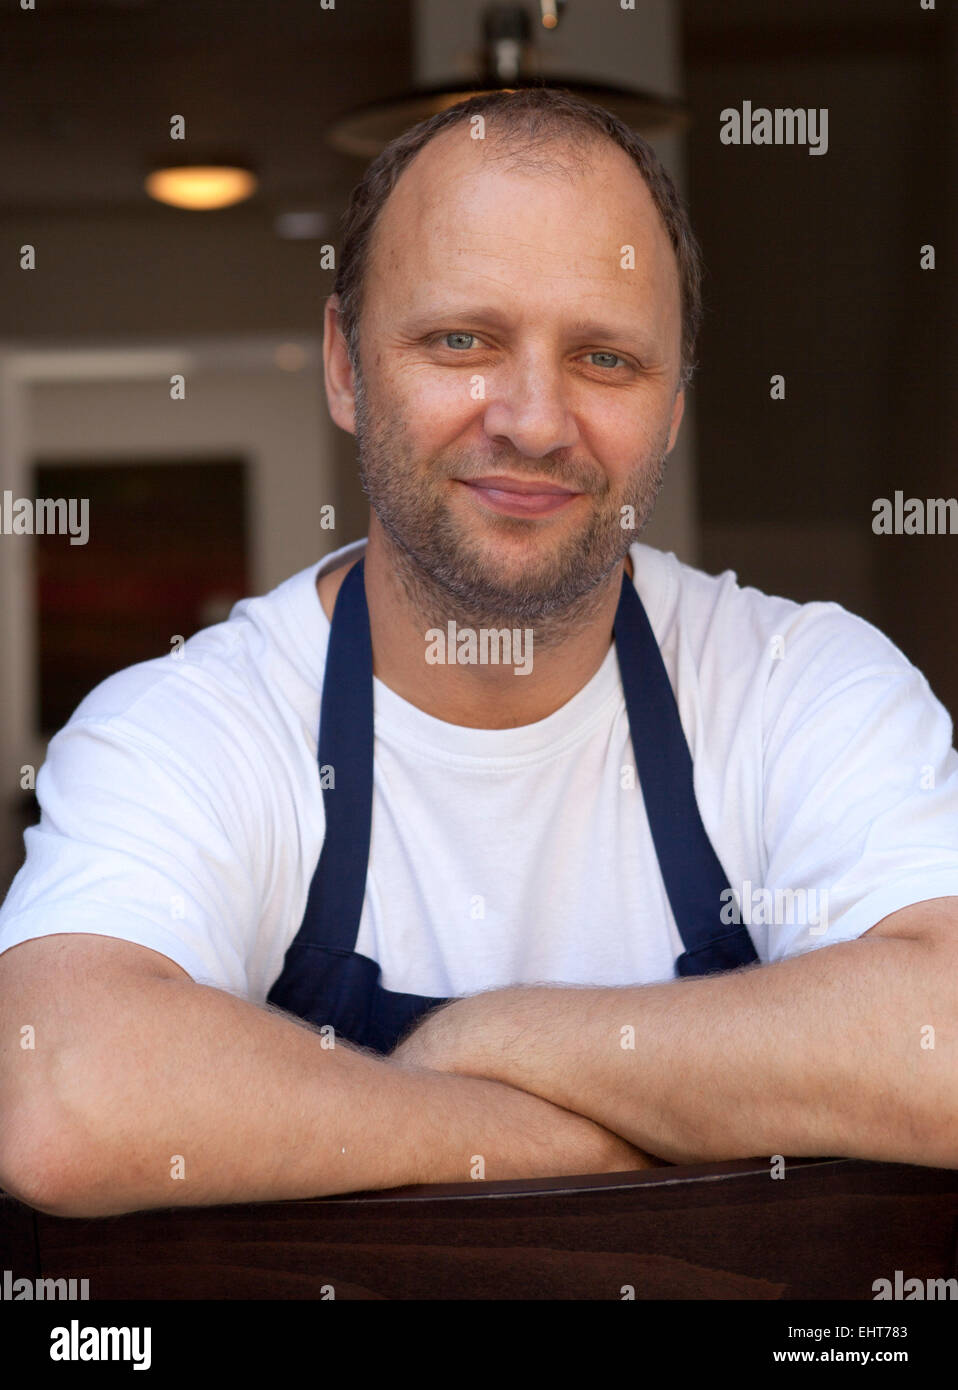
(725, 622)
(261, 661)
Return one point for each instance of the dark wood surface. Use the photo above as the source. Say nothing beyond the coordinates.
(828, 1229)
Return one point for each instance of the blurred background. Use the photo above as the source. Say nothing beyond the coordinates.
(223, 487)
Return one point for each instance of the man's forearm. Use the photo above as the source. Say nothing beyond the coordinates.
(826, 1053)
(162, 1092)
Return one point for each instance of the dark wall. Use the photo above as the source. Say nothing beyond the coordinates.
(813, 272)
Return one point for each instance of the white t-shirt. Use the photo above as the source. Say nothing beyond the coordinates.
(182, 809)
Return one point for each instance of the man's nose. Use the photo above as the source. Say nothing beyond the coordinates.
(528, 405)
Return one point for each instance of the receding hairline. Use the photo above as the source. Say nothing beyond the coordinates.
(558, 150)
(543, 131)
(552, 153)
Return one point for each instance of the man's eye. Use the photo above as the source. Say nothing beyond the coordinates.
(614, 355)
(460, 344)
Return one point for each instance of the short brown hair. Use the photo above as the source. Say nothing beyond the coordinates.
(529, 117)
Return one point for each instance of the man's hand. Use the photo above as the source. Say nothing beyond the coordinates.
(822, 1053)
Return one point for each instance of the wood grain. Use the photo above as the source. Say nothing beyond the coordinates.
(828, 1229)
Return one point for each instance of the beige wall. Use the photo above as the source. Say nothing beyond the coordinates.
(237, 402)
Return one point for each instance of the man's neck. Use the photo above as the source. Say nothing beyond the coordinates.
(478, 695)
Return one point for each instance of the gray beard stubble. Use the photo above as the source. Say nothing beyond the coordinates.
(446, 579)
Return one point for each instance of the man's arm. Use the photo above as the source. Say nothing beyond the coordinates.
(132, 1073)
(827, 1053)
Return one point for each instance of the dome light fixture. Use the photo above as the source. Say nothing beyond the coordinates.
(507, 62)
(201, 187)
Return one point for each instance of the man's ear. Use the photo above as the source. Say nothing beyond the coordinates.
(678, 410)
(337, 370)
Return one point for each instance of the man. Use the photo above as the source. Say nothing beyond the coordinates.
(231, 944)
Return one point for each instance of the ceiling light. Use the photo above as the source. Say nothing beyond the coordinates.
(507, 63)
(201, 187)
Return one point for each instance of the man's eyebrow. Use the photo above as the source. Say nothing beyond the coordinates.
(624, 332)
(420, 320)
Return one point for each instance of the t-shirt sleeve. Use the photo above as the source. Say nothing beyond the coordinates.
(860, 784)
(135, 842)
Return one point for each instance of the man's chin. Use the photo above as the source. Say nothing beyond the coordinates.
(526, 585)
(512, 561)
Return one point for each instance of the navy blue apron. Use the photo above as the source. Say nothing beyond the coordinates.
(325, 980)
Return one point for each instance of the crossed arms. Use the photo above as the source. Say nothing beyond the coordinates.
(849, 1050)
(146, 1089)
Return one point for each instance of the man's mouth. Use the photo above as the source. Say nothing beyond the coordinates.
(520, 496)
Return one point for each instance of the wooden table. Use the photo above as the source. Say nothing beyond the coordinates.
(828, 1229)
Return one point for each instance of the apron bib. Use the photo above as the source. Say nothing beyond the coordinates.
(325, 980)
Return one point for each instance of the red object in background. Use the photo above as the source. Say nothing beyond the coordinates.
(166, 556)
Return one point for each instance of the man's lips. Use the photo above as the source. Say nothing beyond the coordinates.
(520, 496)
(501, 483)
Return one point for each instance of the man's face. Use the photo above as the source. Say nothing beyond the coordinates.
(502, 336)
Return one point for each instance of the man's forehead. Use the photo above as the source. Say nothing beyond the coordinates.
(470, 201)
(453, 163)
